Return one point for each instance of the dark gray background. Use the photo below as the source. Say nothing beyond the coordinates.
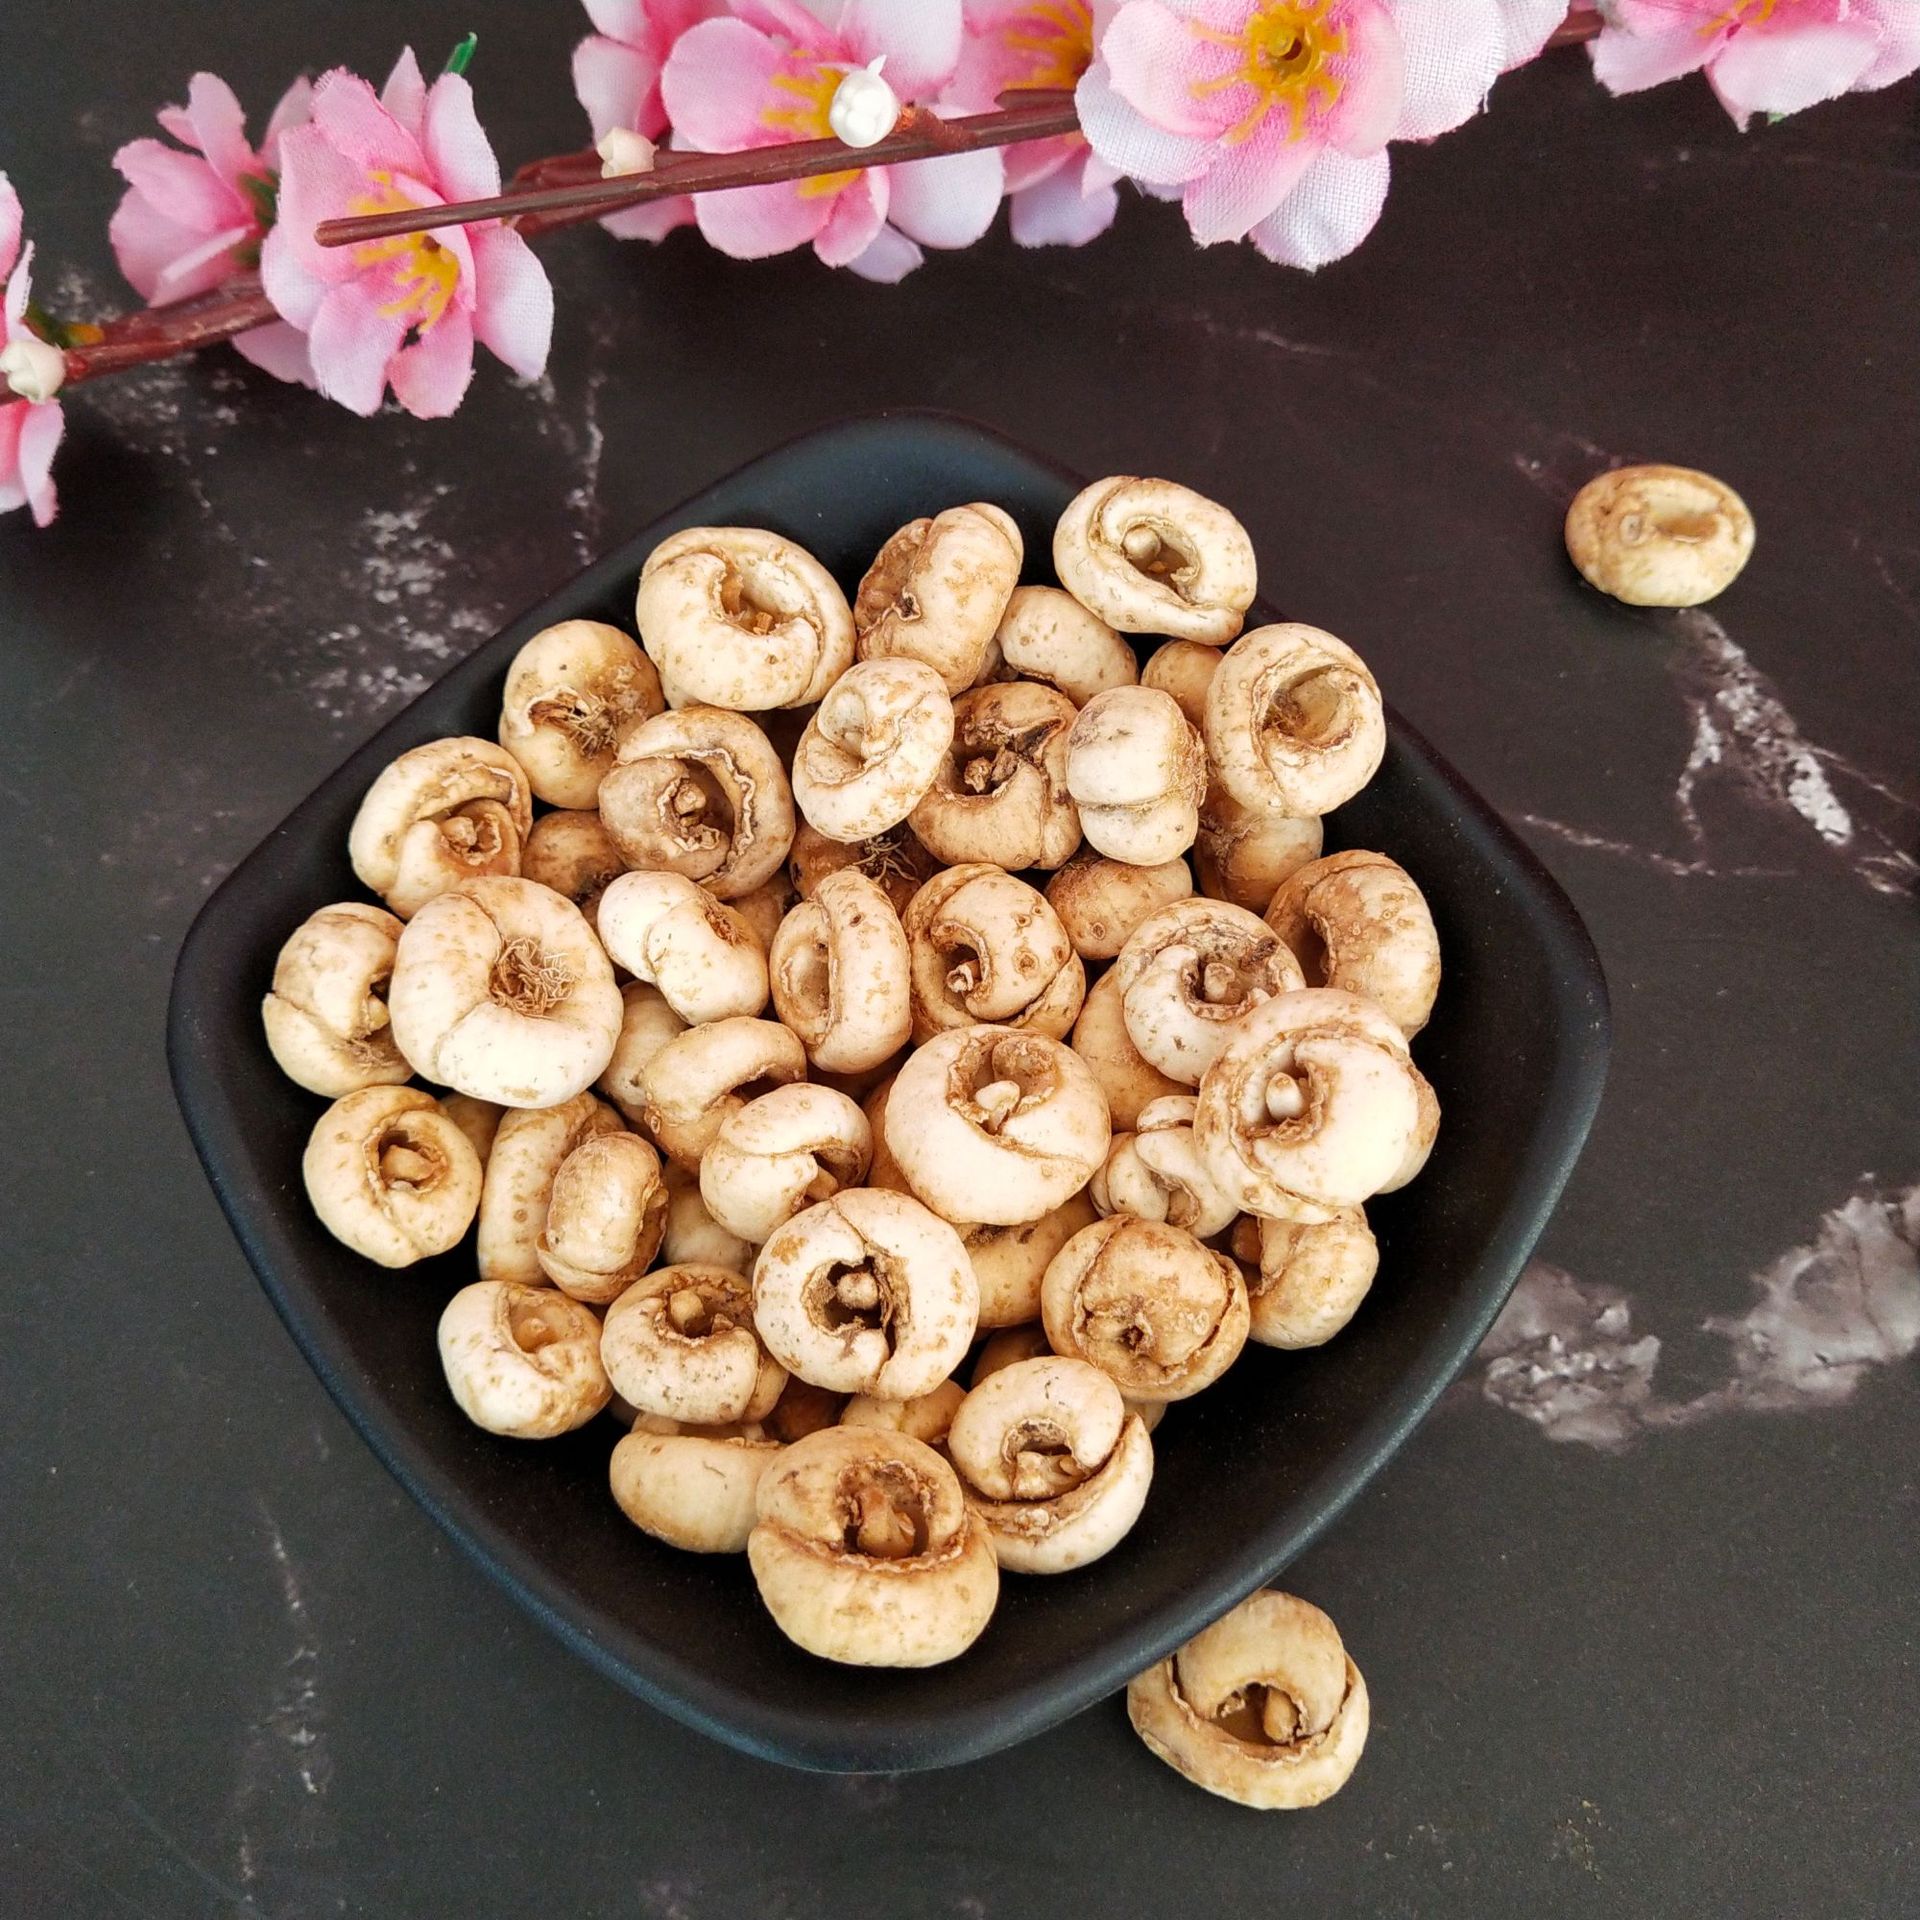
(1647, 1651)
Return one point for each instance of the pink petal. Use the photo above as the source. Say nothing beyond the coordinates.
(859, 212)
(1630, 63)
(13, 416)
(405, 93)
(431, 377)
(788, 20)
(752, 222)
(714, 85)
(1454, 50)
(280, 350)
(1374, 73)
(316, 183)
(220, 125)
(1648, 17)
(1059, 212)
(1033, 160)
(920, 38)
(1245, 184)
(355, 124)
(1899, 49)
(178, 122)
(889, 259)
(652, 221)
(294, 289)
(620, 19)
(39, 435)
(1787, 72)
(353, 343)
(948, 202)
(987, 66)
(460, 154)
(1528, 26)
(181, 186)
(1151, 60)
(9, 225)
(145, 242)
(614, 84)
(199, 268)
(1128, 141)
(513, 300)
(1328, 214)
(19, 290)
(459, 242)
(293, 109)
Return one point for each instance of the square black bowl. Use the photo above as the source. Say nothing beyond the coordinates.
(1517, 1051)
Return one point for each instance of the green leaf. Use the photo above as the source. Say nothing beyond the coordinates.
(263, 189)
(461, 58)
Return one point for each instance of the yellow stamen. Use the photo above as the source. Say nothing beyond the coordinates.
(1745, 13)
(425, 273)
(1287, 53)
(1059, 36)
(814, 86)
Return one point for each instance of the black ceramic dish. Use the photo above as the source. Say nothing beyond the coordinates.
(1517, 1051)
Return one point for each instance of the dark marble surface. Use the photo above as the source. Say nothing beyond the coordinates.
(1636, 1605)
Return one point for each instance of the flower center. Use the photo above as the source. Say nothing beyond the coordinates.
(422, 273)
(1057, 39)
(1743, 13)
(1286, 50)
(808, 84)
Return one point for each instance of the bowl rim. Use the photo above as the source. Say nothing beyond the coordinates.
(753, 1722)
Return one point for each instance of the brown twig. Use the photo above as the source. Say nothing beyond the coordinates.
(1581, 24)
(921, 135)
(160, 333)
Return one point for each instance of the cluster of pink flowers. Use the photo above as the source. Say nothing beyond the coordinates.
(29, 430)
(1760, 56)
(1269, 120)
(400, 314)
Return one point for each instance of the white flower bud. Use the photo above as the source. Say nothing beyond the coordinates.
(32, 368)
(864, 109)
(622, 151)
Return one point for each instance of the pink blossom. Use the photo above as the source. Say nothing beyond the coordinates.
(405, 311)
(616, 73)
(1456, 49)
(29, 430)
(1239, 102)
(1760, 56)
(766, 75)
(194, 215)
(1061, 193)
(1271, 118)
(191, 219)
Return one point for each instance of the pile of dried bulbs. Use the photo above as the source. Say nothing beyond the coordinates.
(915, 1046)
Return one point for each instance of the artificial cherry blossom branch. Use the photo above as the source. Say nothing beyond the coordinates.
(920, 135)
(568, 189)
(303, 252)
(543, 198)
